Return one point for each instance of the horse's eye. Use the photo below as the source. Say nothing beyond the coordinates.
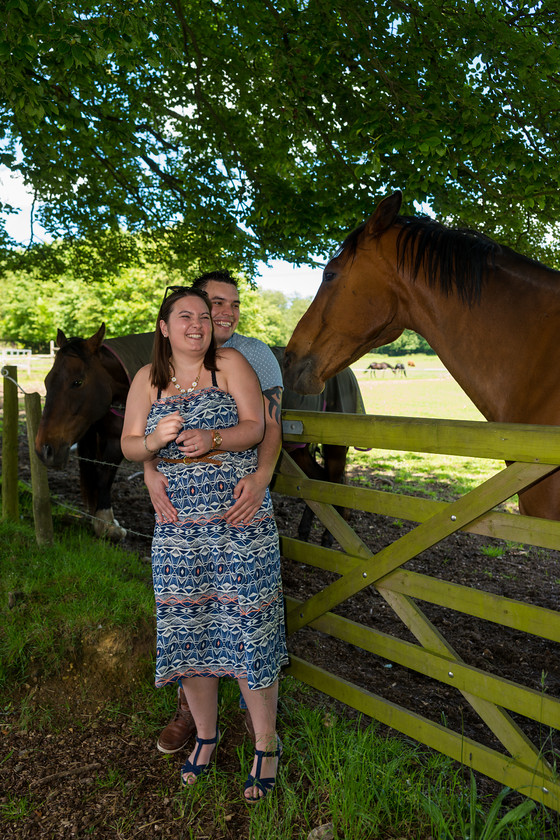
(328, 275)
(77, 383)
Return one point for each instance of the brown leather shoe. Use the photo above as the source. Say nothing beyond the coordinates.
(178, 731)
(249, 725)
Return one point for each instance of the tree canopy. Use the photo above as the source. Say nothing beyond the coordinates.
(270, 128)
(35, 306)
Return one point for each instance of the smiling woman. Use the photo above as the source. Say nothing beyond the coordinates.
(217, 585)
(189, 325)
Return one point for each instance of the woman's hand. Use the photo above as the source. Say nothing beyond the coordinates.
(166, 430)
(194, 442)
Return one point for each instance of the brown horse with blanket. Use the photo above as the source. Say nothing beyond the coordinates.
(342, 394)
(86, 395)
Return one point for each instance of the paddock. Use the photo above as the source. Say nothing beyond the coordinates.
(501, 704)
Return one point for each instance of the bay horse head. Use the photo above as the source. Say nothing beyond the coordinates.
(78, 394)
(360, 313)
(490, 314)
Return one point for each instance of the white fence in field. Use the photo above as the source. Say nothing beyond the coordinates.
(25, 358)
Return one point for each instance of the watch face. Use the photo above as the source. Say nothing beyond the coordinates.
(217, 439)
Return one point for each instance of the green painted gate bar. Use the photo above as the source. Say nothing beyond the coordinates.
(536, 452)
(474, 504)
(525, 779)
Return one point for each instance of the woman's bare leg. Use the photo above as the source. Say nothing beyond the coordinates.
(262, 704)
(202, 697)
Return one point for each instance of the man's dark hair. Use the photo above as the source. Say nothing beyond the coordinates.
(220, 276)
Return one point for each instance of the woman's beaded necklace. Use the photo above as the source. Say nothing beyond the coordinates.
(193, 386)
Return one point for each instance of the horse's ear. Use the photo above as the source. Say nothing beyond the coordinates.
(94, 343)
(60, 339)
(385, 214)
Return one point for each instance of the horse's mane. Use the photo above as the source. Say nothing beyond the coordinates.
(74, 347)
(453, 259)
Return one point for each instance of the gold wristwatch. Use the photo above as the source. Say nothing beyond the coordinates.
(216, 439)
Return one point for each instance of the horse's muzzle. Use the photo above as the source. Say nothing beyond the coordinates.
(300, 376)
(55, 457)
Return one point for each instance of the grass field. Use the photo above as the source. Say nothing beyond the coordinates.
(427, 390)
(31, 373)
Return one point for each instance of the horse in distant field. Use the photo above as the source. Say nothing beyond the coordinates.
(379, 366)
(491, 315)
(342, 394)
(410, 363)
(400, 368)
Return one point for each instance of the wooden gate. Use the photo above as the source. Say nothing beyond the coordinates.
(534, 452)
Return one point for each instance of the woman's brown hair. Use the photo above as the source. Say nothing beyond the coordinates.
(161, 354)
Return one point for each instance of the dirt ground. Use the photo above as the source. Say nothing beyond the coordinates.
(59, 772)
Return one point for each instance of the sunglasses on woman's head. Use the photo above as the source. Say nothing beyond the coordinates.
(170, 290)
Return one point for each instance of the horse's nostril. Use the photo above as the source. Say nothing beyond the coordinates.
(46, 454)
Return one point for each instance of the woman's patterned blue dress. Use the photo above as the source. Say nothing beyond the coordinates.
(218, 590)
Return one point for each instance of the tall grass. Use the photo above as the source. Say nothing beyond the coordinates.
(52, 597)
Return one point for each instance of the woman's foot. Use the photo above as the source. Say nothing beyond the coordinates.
(262, 778)
(199, 760)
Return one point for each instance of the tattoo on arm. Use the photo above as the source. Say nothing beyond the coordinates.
(274, 397)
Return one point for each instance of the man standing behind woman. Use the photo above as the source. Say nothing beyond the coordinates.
(250, 492)
(221, 289)
(217, 584)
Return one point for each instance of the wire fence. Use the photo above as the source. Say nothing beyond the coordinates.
(12, 430)
(60, 502)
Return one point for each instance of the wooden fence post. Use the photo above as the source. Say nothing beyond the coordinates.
(42, 515)
(10, 502)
